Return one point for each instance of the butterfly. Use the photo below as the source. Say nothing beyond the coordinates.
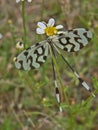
(69, 41)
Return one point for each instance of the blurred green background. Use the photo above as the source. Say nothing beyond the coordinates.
(27, 99)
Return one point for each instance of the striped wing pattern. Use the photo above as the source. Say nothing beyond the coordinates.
(70, 41)
(33, 57)
(73, 40)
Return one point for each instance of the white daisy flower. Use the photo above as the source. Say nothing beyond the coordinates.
(19, 45)
(49, 29)
(17, 1)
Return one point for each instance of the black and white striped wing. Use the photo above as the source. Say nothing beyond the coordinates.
(33, 57)
(73, 40)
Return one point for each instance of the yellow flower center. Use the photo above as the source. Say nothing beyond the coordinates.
(50, 31)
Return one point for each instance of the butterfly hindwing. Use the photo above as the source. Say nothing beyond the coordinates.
(73, 40)
(33, 57)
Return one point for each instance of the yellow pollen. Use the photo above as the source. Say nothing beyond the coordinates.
(50, 31)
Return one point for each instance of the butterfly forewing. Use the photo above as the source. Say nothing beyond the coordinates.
(73, 40)
(33, 57)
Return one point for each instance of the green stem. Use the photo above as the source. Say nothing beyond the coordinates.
(24, 23)
(42, 10)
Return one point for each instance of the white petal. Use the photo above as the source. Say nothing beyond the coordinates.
(51, 22)
(40, 31)
(59, 26)
(41, 25)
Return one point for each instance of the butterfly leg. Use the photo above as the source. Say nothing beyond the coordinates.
(84, 84)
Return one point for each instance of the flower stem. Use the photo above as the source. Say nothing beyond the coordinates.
(42, 10)
(24, 22)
